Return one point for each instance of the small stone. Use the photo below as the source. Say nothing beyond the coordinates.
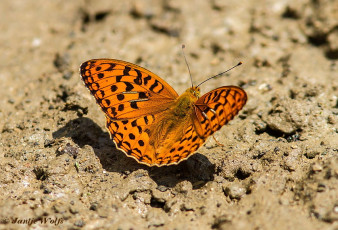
(67, 75)
(48, 143)
(291, 161)
(317, 167)
(79, 223)
(332, 119)
(260, 126)
(47, 190)
(311, 153)
(321, 188)
(73, 210)
(235, 191)
(265, 87)
(214, 61)
(335, 209)
(162, 188)
(184, 187)
(8, 128)
(69, 149)
(93, 206)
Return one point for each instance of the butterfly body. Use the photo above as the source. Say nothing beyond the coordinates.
(171, 123)
(147, 119)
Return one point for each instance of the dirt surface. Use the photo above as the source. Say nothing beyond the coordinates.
(278, 168)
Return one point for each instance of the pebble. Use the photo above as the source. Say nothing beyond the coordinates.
(317, 167)
(234, 191)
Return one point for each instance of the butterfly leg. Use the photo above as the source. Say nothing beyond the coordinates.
(217, 142)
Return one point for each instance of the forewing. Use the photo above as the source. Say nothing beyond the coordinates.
(125, 90)
(215, 108)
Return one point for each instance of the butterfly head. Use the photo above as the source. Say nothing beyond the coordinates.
(194, 92)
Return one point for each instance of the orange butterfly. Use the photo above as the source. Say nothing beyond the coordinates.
(148, 120)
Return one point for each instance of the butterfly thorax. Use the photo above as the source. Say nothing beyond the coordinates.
(170, 125)
(184, 103)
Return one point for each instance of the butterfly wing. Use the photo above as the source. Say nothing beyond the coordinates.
(124, 90)
(215, 108)
(182, 149)
(211, 112)
(132, 98)
(133, 137)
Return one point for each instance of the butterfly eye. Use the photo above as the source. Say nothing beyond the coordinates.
(197, 92)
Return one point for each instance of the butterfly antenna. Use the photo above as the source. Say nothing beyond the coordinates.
(239, 63)
(186, 62)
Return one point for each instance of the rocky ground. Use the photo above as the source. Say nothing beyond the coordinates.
(278, 168)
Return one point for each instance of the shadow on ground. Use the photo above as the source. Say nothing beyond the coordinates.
(83, 131)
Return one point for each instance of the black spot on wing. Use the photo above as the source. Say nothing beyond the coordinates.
(138, 151)
(127, 143)
(138, 79)
(126, 70)
(111, 110)
(146, 79)
(217, 105)
(208, 97)
(120, 107)
(227, 93)
(217, 96)
(129, 152)
(152, 87)
(146, 119)
(119, 134)
(155, 85)
(142, 95)
(107, 102)
(213, 117)
(141, 143)
(119, 78)
(133, 104)
(120, 97)
(129, 86)
(111, 66)
(146, 156)
(131, 136)
(113, 88)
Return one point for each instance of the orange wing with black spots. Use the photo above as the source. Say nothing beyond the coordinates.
(216, 108)
(124, 90)
(130, 137)
(146, 118)
(133, 138)
(183, 148)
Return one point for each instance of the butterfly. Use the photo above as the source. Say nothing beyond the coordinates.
(148, 120)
